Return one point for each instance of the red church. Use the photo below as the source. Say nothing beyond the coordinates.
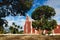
(28, 29)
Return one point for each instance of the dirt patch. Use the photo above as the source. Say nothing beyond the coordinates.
(27, 37)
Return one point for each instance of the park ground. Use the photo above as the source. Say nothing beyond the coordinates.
(29, 37)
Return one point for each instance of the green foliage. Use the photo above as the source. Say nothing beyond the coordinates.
(36, 24)
(1, 30)
(42, 16)
(45, 25)
(13, 23)
(14, 28)
(13, 8)
(11, 29)
(49, 32)
(21, 32)
(51, 25)
(43, 11)
(20, 27)
(18, 6)
(2, 21)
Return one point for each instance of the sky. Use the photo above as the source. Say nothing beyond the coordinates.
(20, 20)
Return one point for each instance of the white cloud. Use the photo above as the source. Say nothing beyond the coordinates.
(53, 3)
(19, 20)
(10, 22)
(58, 22)
(56, 5)
(57, 11)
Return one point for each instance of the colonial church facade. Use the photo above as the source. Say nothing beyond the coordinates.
(28, 29)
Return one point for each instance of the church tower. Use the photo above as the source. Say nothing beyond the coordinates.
(28, 26)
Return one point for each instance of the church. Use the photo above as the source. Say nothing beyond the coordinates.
(28, 29)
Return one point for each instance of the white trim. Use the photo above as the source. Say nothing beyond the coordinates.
(44, 31)
(31, 27)
(35, 31)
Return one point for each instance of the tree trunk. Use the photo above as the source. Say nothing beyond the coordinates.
(44, 31)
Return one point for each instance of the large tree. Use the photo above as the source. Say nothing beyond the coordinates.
(13, 8)
(43, 18)
(43, 11)
(15, 29)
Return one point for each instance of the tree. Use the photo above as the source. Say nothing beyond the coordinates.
(15, 28)
(21, 32)
(18, 26)
(21, 27)
(11, 29)
(13, 8)
(51, 25)
(13, 23)
(42, 16)
(36, 24)
(43, 11)
(2, 21)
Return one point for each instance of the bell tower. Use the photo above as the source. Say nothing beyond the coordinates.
(28, 29)
(27, 26)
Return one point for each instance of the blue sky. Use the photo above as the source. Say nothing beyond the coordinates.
(20, 20)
